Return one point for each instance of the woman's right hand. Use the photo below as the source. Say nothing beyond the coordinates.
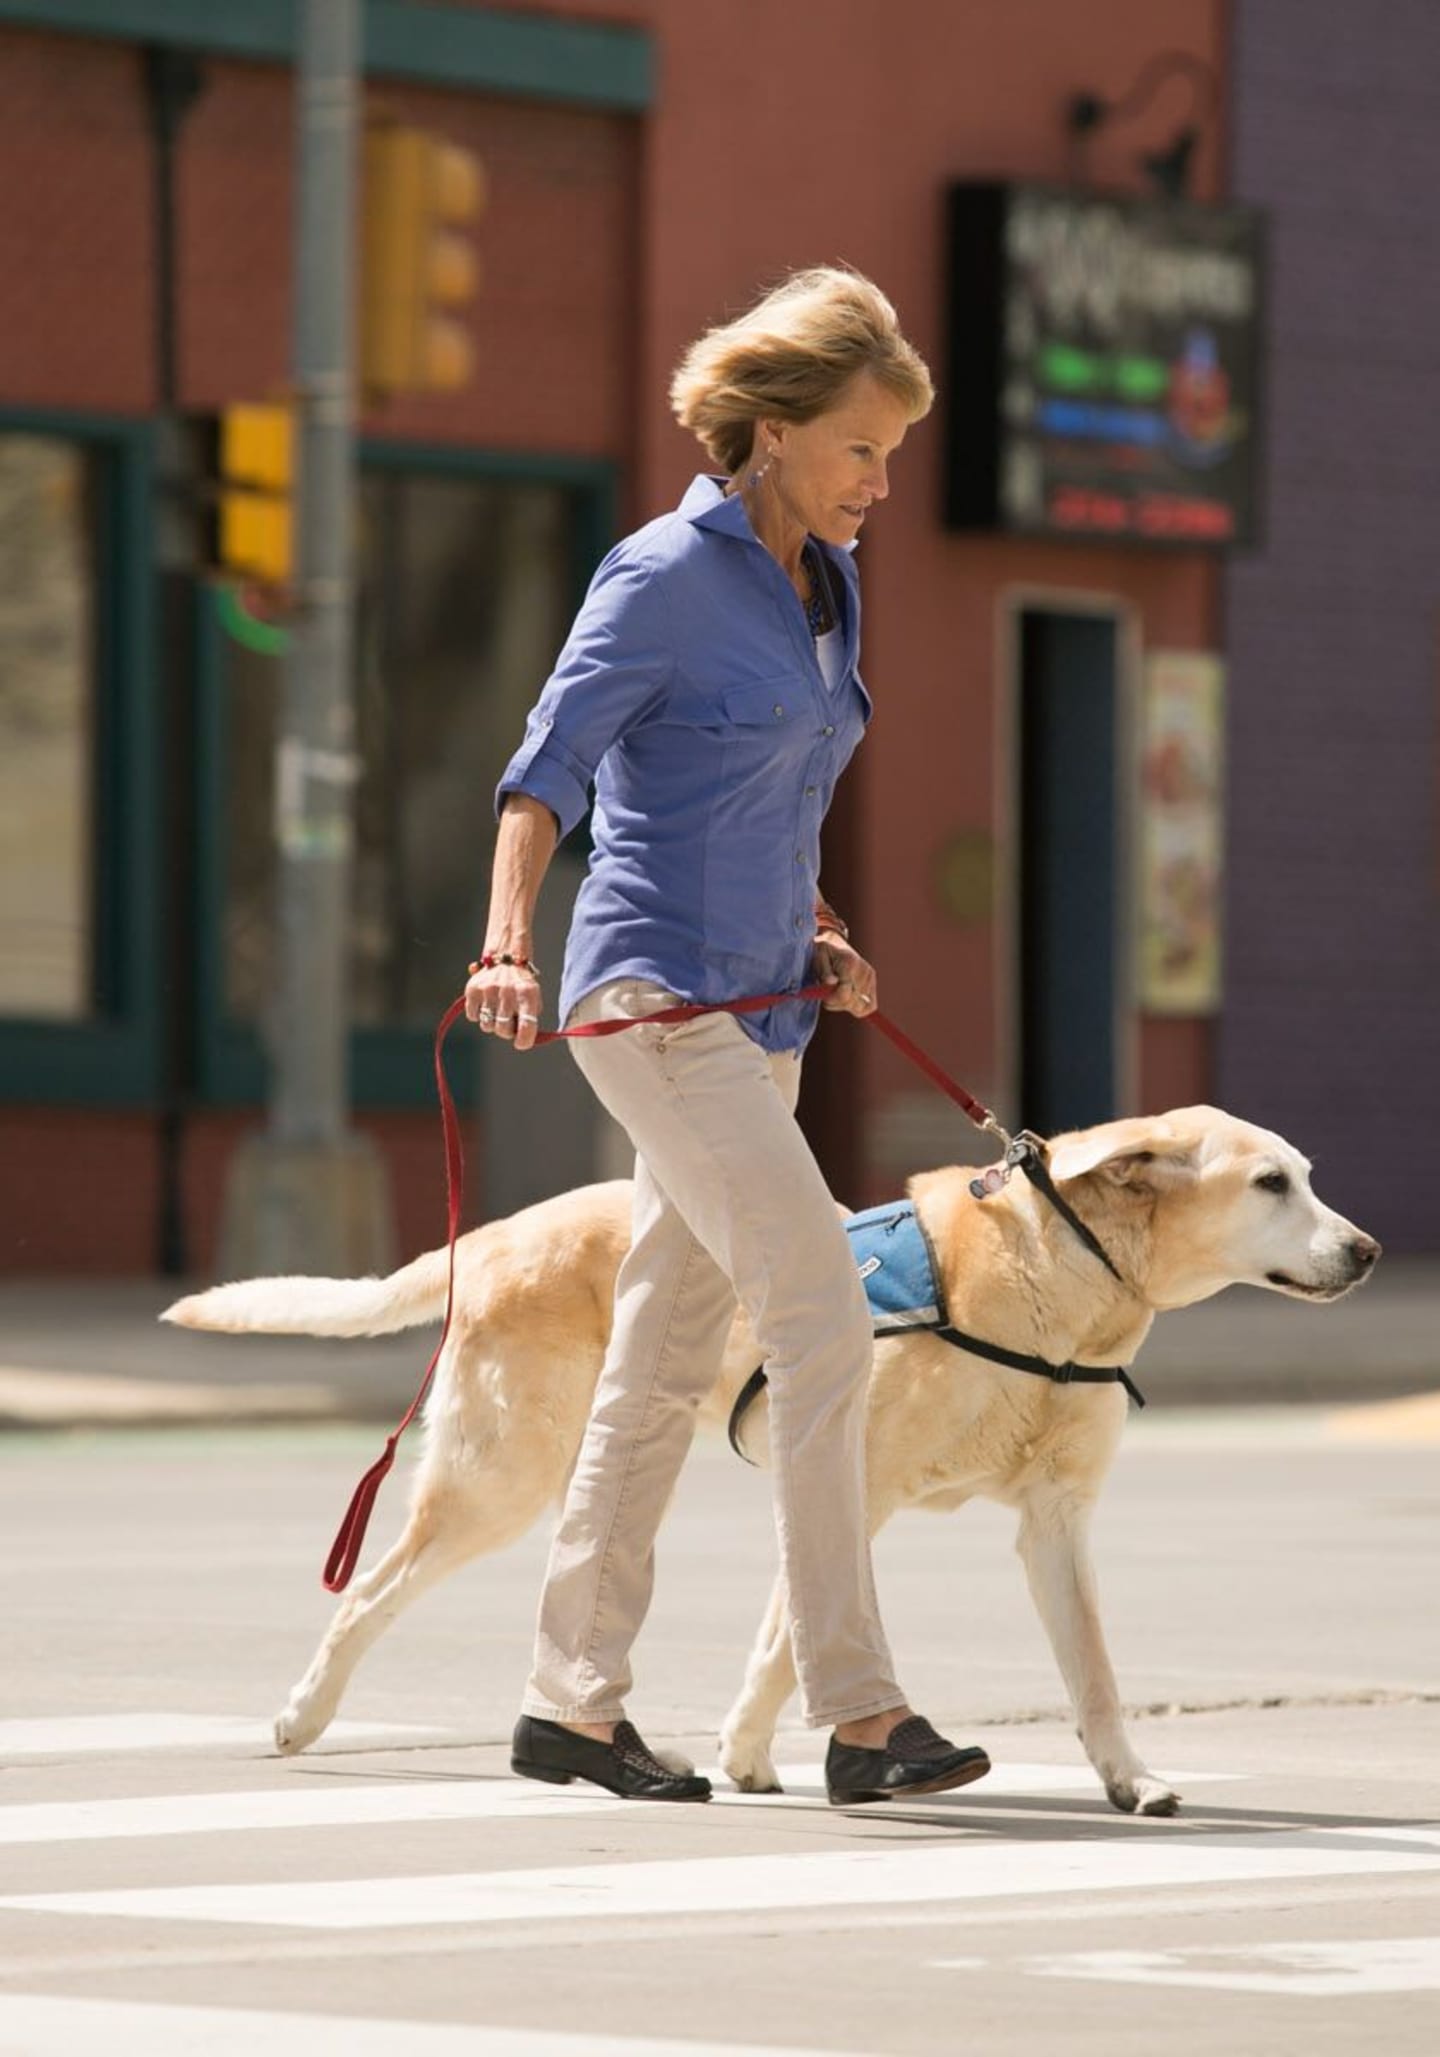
(504, 1000)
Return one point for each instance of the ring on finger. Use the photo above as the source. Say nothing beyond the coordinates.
(486, 1014)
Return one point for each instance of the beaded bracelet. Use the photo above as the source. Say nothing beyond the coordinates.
(490, 958)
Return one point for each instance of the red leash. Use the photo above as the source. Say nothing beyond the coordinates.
(340, 1564)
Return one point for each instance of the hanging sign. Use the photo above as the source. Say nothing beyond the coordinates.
(1102, 360)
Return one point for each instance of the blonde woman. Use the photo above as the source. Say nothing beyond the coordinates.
(709, 688)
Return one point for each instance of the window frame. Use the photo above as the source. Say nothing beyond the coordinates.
(390, 1068)
(114, 1058)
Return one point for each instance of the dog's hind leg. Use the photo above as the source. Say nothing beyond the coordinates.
(1054, 1547)
(448, 1525)
(749, 1727)
(427, 1550)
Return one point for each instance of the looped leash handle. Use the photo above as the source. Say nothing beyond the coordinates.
(345, 1549)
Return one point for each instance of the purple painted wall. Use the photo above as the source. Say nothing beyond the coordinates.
(1331, 1023)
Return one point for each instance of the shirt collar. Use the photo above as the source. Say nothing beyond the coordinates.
(708, 506)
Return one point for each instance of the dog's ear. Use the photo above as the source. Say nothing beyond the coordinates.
(1152, 1155)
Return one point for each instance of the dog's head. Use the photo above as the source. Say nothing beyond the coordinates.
(1204, 1201)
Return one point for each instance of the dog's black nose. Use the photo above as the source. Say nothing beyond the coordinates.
(1364, 1253)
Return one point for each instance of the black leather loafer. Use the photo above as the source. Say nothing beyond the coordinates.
(913, 1761)
(545, 1750)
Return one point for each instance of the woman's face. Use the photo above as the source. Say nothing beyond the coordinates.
(826, 473)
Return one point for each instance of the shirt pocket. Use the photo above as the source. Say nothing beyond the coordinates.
(764, 703)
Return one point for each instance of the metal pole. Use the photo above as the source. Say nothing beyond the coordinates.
(316, 763)
(310, 1195)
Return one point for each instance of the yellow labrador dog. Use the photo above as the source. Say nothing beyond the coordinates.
(1184, 1205)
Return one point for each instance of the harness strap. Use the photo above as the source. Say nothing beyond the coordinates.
(745, 1399)
(1058, 1374)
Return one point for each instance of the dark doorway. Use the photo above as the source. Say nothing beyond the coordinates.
(1069, 870)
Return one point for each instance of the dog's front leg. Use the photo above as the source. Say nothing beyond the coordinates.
(749, 1727)
(1054, 1546)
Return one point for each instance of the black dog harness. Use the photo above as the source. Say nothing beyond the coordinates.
(896, 1262)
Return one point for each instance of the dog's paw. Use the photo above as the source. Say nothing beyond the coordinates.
(748, 1766)
(1142, 1795)
(674, 1760)
(1153, 1796)
(294, 1730)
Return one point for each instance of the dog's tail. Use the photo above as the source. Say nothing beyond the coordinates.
(321, 1306)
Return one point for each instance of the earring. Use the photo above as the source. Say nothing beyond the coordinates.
(752, 479)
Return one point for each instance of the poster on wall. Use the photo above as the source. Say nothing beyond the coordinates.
(1102, 366)
(1181, 832)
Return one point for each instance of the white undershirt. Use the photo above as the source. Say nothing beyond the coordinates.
(830, 650)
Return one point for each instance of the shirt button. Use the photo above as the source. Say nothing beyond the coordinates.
(809, 792)
(778, 710)
(799, 921)
(828, 730)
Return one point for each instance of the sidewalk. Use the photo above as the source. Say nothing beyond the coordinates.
(91, 1353)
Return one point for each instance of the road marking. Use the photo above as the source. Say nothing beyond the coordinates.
(308, 1803)
(75, 1735)
(1316, 1971)
(979, 1867)
(44, 2027)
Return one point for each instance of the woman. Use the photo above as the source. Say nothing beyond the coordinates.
(709, 687)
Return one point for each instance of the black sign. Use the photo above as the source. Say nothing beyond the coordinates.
(1102, 366)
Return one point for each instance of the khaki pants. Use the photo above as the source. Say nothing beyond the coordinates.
(728, 1202)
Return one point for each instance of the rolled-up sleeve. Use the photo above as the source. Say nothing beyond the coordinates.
(615, 667)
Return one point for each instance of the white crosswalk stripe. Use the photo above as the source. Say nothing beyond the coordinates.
(77, 1735)
(34, 2025)
(981, 1868)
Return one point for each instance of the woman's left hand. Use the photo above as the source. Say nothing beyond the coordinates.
(840, 966)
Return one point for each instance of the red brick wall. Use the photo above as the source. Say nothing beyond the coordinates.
(80, 1190)
(76, 248)
(554, 318)
(781, 135)
(75, 227)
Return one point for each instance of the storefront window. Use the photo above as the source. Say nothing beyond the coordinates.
(47, 729)
(464, 601)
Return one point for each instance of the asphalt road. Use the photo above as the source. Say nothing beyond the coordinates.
(168, 1884)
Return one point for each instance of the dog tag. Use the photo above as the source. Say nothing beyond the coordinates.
(989, 1182)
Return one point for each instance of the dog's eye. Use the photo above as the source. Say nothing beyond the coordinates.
(1274, 1182)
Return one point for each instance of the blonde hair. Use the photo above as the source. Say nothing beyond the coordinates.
(790, 357)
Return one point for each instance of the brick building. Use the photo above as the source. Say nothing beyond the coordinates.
(650, 167)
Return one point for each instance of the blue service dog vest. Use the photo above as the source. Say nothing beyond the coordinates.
(897, 1268)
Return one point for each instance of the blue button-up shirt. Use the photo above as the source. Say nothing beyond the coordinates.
(690, 692)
